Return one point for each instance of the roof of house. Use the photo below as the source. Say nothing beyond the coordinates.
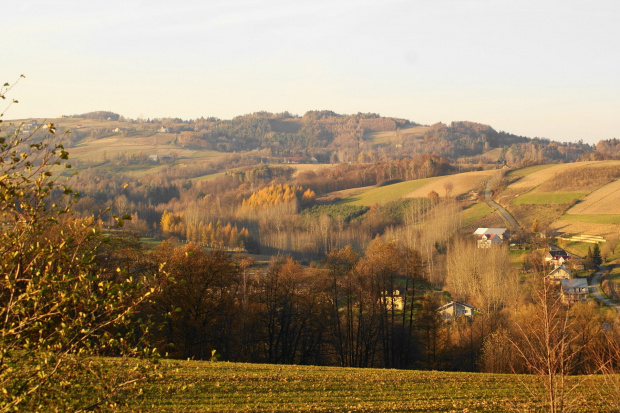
(571, 284)
(560, 268)
(451, 303)
(489, 231)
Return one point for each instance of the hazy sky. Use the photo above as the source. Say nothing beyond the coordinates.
(536, 68)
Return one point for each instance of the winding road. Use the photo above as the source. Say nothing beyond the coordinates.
(509, 218)
(596, 278)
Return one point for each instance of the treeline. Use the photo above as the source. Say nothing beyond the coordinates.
(330, 137)
(377, 309)
(265, 204)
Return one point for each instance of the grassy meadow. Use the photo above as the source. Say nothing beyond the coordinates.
(548, 198)
(581, 197)
(475, 212)
(395, 137)
(194, 386)
(385, 194)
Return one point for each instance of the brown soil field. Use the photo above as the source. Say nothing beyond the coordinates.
(537, 178)
(605, 200)
(462, 184)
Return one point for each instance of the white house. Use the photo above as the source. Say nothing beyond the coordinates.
(488, 237)
(455, 309)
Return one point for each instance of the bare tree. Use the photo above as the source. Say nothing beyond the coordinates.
(547, 349)
(448, 186)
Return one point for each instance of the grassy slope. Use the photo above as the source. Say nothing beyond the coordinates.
(548, 198)
(192, 386)
(394, 137)
(385, 194)
(526, 201)
(592, 218)
(475, 213)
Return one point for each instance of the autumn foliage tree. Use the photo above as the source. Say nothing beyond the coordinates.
(60, 303)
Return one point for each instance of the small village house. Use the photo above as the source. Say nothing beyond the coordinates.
(559, 273)
(489, 237)
(574, 290)
(456, 309)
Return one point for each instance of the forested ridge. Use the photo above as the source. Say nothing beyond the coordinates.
(331, 137)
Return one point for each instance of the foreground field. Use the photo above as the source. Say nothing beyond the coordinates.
(191, 386)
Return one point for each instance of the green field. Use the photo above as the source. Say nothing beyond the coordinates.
(475, 212)
(519, 173)
(614, 275)
(385, 194)
(592, 218)
(516, 257)
(577, 248)
(548, 198)
(192, 386)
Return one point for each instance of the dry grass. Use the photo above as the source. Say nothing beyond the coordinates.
(462, 183)
(544, 213)
(493, 155)
(605, 200)
(576, 227)
(585, 178)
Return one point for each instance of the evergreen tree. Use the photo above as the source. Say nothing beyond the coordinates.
(596, 256)
(588, 261)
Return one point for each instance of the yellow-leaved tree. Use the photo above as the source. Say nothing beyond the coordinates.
(61, 305)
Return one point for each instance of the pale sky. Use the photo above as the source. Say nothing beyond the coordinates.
(530, 67)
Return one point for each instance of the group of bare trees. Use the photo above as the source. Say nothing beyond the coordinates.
(363, 311)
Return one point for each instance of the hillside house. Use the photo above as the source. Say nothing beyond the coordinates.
(455, 309)
(160, 158)
(559, 273)
(488, 241)
(557, 257)
(299, 160)
(574, 290)
(488, 237)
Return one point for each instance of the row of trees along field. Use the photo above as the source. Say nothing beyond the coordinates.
(344, 311)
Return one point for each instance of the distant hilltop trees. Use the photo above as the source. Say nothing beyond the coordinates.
(99, 115)
(330, 137)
